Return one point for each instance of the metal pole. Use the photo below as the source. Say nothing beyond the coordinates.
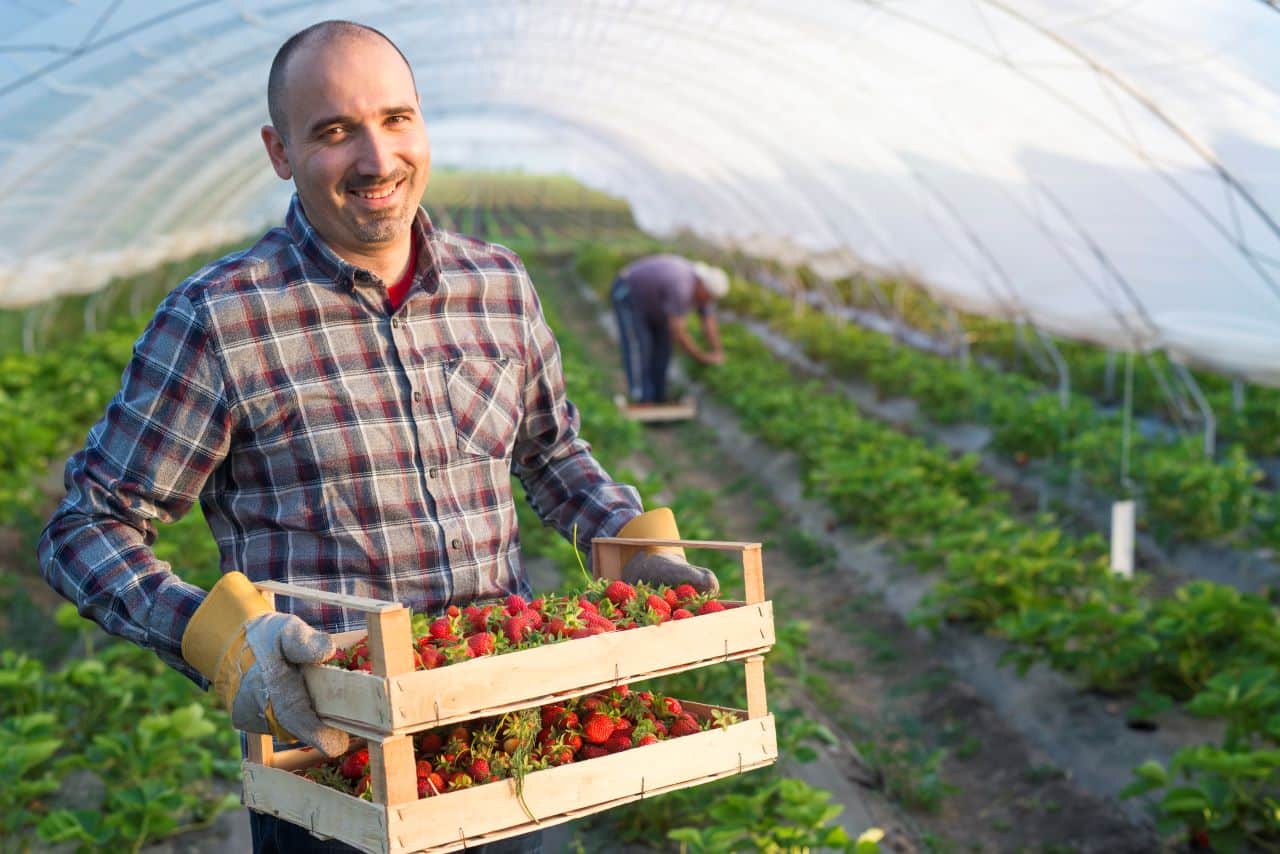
(1206, 411)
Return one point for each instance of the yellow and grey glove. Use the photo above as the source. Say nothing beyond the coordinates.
(252, 654)
(661, 564)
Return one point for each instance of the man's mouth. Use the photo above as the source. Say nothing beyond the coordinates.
(374, 194)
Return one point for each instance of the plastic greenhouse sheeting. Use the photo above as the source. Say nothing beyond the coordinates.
(1108, 170)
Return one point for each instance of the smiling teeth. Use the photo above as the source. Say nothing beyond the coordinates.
(376, 195)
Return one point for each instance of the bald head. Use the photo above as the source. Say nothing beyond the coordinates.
(318, 36)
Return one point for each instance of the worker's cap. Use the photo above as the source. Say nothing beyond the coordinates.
(715, 280)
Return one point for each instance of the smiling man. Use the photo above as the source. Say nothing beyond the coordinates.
(347, 400)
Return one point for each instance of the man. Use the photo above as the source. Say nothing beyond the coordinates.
(651, 298)
(347, 400)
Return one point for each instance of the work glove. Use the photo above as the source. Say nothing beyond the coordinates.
(251, 655)
(661, 564)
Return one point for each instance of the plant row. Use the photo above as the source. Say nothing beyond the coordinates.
(1184, 494)
(1094, 371)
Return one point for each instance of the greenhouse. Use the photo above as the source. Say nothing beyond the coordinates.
(948, 332)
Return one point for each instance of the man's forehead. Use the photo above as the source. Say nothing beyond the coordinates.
(360, 70)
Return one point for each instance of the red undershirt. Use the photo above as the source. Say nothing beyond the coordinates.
(396, 293)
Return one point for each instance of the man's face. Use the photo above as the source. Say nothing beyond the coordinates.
(357, 148)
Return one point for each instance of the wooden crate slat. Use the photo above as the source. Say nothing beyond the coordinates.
(560, 794)
(711, 545)
(325, 811)
(358, 697)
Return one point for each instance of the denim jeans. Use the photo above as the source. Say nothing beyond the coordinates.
(646, 348)
(273, 835)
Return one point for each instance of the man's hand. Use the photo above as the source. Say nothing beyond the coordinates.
(272, 696)
(252, 655)
(668, 569)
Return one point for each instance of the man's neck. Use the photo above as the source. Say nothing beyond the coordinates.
(387, 264)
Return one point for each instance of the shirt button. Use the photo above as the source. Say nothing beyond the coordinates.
(433, 473)
(395, 323)
(456, 544)
(417, 395)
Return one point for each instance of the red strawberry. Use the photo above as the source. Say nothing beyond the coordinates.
(620, 593)
(684, 725)
(453, 611)
(587, 605)
(430, 785)
(563, 756)
(478, 770)
(598, 728)
(354, 764)
(593, 751)
(367, 667)
(460, 734)
(480, 644)
(516, 628)
(534, 618)
(555, 627)
(669, 596)
(672, 705)
(423, 768)
(685, 592)
(432, 658)
(516, 604)
(441, 628)
(582, 633)
(430, 742)
(574, 741)
(551, 714)
(681, 614)
(618, 742)
(647, 738)
(537, 604)
(659, 605)
(711, 606)
(598, 624)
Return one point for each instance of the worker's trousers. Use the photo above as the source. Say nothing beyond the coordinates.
(273, 835)
(646, 348)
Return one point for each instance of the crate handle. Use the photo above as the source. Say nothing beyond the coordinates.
(342, 600)
(606, 558)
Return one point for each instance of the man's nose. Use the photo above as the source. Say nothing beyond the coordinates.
(377, 155)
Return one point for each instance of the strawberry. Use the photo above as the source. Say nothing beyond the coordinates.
(551, 714)
(367, 667)
(516, 628)
(587, 605)
(598, 624)
(363, 787)
(647, 738)
(711, 606)
(515, 604)
(681, 614)
(555, 627)
(593, 751)
(598, 728)
(562, 756)
(686, 724)
(620, 593)
(538, 604)
(670, 597)
(430, 785)
(453, 611)
(480, 644)
(660, 606)
(582, 633)
(441, 628)
(685, 592)
(423, 769)
(478, 770)
(354, 764)
(430, 742)
(459, 780)
(673, 707)
(431, 658)
(618, 742)
(534, 618)
(460, 734)
(569, 720)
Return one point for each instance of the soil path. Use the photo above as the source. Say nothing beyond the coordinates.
(961, 778)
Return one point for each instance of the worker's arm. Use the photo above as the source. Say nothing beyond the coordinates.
(147, 459)
(680, 334)
(566, 485)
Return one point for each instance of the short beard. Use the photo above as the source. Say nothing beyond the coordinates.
(384, 229)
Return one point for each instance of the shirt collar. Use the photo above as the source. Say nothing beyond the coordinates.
(334, 266)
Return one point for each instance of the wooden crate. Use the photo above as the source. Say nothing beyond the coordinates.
(490, 812)
(676, 410)
(396, 699)
(385, 707)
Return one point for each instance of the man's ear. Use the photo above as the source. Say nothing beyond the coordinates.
(274, 142)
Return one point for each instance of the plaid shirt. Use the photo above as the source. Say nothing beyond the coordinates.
(331, 443)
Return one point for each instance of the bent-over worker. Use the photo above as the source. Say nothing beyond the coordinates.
(651, 299)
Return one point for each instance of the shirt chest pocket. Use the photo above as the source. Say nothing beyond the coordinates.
(484, 402)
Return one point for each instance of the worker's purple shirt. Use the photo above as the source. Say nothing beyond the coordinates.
(661, 287)
(330, 444)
